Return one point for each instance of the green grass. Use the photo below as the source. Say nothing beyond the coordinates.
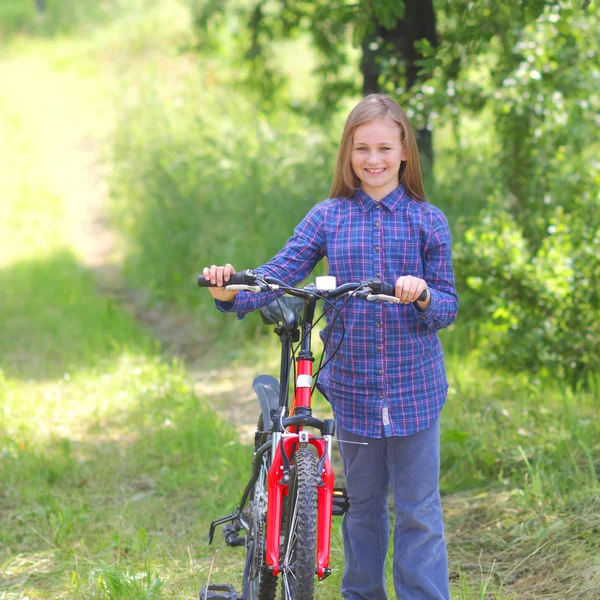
(111, 467)
(112, 462)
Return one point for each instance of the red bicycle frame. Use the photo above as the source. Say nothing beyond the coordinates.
(277, 489)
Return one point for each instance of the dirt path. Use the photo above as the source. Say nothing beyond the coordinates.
(69, 133)
(178, 333)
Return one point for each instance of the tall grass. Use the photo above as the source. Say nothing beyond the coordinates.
(214, 182)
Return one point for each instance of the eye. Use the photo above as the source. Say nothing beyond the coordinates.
(385, 148)
(361, 148)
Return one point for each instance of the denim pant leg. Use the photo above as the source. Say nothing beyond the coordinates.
(420, 559)
(366, 523)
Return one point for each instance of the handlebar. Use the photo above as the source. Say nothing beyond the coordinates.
(241, 278)
(370, 289)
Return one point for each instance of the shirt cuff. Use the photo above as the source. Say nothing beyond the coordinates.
(225, 306)
(426, 316)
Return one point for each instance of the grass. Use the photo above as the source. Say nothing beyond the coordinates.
(98, 432)
(113, 462)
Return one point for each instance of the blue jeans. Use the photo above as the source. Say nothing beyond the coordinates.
(411, 466)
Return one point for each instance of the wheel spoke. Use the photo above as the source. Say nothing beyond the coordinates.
(292, 536)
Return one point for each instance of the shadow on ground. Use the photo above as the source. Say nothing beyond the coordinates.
(53, 321)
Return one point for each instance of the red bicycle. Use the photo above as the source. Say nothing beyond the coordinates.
(286, 508)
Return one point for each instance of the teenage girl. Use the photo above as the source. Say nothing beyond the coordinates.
(387, 384)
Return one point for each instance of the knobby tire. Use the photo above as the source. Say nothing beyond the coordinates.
(298, 554)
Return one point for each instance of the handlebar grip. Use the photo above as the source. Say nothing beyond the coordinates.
(390, 290)
(240, 278)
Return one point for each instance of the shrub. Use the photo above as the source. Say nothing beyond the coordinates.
(543, 305)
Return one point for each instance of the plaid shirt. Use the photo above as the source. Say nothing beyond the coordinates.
(388, 377)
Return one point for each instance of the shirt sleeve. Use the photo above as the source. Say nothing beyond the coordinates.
(291, 264)
(439, 275)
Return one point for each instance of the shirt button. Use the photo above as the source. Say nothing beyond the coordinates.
(377, 324)
(377, 223)
(381, 395)
(380, 372)
(377, 249)
(380, 348)
(378, 205)
(377, 274)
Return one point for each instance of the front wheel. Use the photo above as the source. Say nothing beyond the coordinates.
(298, 554)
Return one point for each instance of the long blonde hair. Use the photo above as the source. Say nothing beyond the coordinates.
(371, 107)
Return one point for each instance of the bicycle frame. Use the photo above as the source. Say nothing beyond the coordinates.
(284, 444)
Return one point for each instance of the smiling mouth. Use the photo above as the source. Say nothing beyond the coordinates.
(375, 171)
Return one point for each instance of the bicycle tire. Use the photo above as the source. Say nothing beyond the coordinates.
(259, 583)
(298, 554)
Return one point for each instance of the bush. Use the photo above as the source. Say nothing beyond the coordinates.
(543, 306)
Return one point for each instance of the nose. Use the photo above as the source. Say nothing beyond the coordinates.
(372, 159)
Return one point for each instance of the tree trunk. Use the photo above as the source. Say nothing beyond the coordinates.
(418, 23)
(40, 5)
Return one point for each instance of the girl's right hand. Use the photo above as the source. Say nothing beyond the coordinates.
(220, 276)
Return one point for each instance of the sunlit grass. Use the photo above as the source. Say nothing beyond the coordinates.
(111, 467)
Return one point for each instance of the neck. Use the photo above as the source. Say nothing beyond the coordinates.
(378, 194)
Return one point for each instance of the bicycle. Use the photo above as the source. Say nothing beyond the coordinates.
(287, 505)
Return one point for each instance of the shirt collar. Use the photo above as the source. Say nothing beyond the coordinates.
(391, 201)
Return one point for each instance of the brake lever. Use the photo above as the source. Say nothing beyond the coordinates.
(367, 295)
(252, 288)
(382, 298)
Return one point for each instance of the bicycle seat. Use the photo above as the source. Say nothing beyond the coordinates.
(288, 309)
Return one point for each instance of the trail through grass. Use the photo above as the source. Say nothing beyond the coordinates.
(111, 466)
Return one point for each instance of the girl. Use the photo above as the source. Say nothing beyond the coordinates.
(387, 384)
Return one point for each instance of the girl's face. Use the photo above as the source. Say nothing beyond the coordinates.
(376, 156)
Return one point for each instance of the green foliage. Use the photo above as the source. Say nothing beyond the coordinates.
(260, 25)
(60, 16)
(16, 15)
(531, 262)
(542, 307)
(198, 191)
(119, 584)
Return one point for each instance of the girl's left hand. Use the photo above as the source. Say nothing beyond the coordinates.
(409, 288)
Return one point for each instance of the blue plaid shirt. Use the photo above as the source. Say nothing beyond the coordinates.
(388, 377)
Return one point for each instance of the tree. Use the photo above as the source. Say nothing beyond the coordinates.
(387, 46)
(387, 32)
(526, 73)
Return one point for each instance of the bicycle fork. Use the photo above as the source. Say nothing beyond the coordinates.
(278, 488)
(278, 479)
